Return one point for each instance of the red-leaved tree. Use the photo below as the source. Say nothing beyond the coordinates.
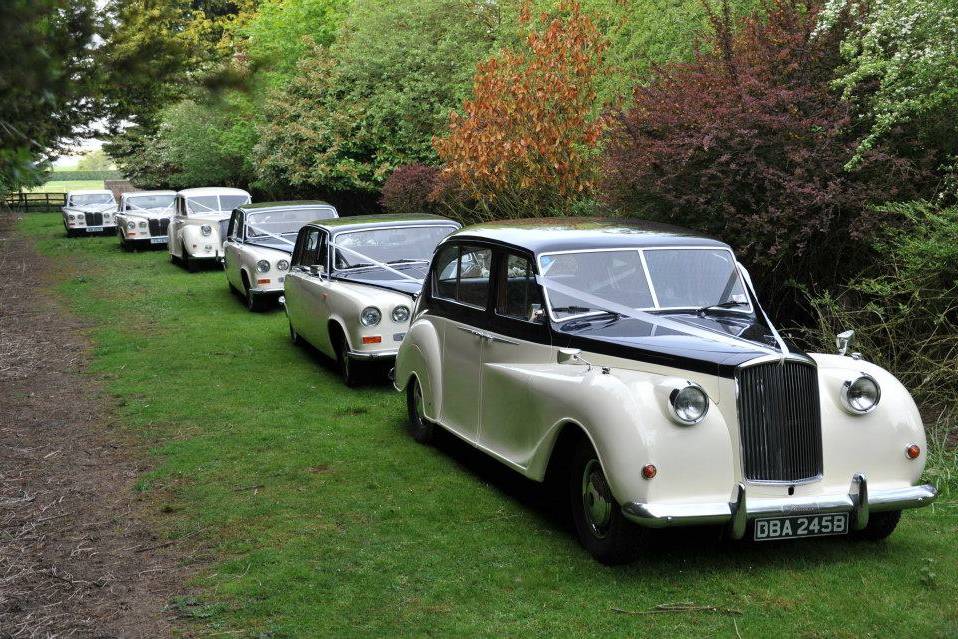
(407, 189)
(525, 141)
(748, 142)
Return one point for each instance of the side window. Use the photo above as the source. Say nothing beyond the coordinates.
(322, 252)
(462, 274)
(233, 226)
(518, 294)
(301, 253)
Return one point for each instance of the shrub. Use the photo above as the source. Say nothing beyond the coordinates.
(748, 142)
(407, 189)
(528, 133)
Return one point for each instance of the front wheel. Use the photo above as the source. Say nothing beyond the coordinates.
(348, 369)
(880, 526)
(254, 303)
(602, 528)
(420, 428)
(188, 263)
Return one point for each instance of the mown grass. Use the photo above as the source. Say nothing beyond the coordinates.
(323, 518)
(62, 186)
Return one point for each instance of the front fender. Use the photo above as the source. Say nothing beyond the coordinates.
(626, 420)
(421, 346)
(199, 245)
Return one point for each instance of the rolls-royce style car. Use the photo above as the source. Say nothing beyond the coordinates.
(143, 218)
(353, 281)
(198, 227)
(634, 361)
(259, 243)
(89, 211)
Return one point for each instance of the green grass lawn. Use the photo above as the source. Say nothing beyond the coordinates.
(62, 186)
(322, 517)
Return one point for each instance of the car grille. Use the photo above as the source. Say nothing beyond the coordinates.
(94, 219)
(158, 227)
(780, 421)
(224, 224)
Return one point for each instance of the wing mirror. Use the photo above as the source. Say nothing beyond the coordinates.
(569, 356)
(843, 341)
(316, 270)
(537, 314)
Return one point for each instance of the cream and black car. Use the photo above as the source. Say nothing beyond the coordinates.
(353, 281)
(634, 363)
(89, 211)
(259, 242)
(143, 218)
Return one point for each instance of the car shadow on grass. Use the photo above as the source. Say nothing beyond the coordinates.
(707, 547)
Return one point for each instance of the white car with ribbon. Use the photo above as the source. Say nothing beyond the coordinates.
(259, 243)
(633, 364)
(353, 281)
(89, 211)
(143, 218)
(199, 222)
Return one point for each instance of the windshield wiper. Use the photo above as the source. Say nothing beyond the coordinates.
(360, 265)
(586, 309)
(405, 261)
(727, 304)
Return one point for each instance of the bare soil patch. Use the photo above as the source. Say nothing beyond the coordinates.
(78, 556)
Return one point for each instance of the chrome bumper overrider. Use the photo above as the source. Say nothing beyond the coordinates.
(737, 512)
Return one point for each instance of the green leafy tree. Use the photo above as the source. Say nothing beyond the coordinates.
(901, 69)
(46, 82)
(96, 160)
(373, 101)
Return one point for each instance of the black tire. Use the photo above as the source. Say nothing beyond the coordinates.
(254, 303)
(602, 528)
(348, 369)
(421, 429)
(879, 526)
(188, 263)
(294, 336)
(71, 232)
(126, 245)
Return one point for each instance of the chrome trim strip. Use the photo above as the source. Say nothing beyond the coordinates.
(371, 355)
(739, 512)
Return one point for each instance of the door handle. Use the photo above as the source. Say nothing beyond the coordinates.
(500, 340)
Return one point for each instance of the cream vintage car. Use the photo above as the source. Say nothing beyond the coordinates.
(143, 218)
(259, 243)
(89, 211)
(198, 227)
(634, 363)
(353, 281)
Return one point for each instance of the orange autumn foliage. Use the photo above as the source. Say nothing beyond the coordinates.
(532, 124)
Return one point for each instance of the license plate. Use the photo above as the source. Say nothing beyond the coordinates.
(797, 526)
(159, 240)
(94, 229)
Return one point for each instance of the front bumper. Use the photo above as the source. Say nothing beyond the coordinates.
(740, 510)
(372, 355)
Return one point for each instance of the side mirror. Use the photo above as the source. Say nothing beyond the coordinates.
(568, 356)
(537, 314)
(315, 270)
(843, 341)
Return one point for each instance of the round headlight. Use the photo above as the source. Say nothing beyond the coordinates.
(206, 229)
(69, 217)
(688, 405)
(283, 265)
(262, 266)
(131, 225)
(860, 395)
(400, 313)
(370, 316)
(142, 225)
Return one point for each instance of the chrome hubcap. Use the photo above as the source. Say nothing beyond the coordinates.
(596, 499)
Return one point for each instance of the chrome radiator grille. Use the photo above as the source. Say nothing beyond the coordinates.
(780, 421)
(159, 226)
(94, 219)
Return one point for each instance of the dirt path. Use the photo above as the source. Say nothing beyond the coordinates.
(77, 557)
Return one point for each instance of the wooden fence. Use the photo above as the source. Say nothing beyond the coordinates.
(34, 202)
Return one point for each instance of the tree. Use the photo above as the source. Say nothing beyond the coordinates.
(901, 70)
(96, 160)
(372, 101)
(46, 80)
(749, 142)
(525, 141)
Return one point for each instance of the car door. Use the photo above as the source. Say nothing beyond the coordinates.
(462, 275)
(516, 347)
(232, 261)
(305, 289)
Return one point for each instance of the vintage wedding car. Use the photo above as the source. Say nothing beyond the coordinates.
(198, 227)
(89, 211)
(353, 281)
(143, 218)
(635, 362)
(259, 241)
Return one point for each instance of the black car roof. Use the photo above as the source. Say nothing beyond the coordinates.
(354, 222)
(291, 204)
(546, 235)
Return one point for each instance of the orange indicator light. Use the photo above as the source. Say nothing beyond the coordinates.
(913, 451)
(649, 471)
(373, 339)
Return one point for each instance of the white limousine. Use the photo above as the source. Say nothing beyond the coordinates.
(199, 222)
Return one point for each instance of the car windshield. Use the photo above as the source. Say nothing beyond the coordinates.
(283, 221)
(92, 199)
(201, 204)
(150, 202)
(396, 245)
(677, 279)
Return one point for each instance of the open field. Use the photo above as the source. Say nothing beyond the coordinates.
(319, 516)
(62, 186)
